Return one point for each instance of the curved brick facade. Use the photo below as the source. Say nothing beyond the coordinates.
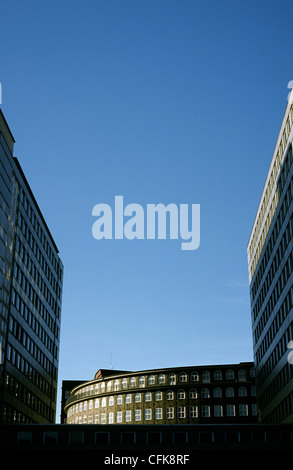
(205, 394)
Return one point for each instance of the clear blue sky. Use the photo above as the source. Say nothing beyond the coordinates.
(165, 101)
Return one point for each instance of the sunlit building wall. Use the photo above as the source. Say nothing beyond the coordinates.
(186, 395)
(270, 277)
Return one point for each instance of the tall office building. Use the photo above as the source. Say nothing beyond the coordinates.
(271, 288)
(30, 298)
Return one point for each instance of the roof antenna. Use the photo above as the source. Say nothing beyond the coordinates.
(111, 365)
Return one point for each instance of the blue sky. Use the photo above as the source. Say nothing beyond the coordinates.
(159, 101)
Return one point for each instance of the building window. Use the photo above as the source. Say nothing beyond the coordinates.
(217, 375)
(205, 393)
(158, 413)
(119, 417)
(132, 382)
(230, 410)
(111, 401)
(169, 412)
(194, 377)
(206, 376)
(170, 395)
(90, 404)
(181, 394)
(141, 381)
(137, 415)
(242, 392)
(128, 416)
(151, 380)
(119, 400)
(172, 379)
(137, 397)
(116, 385)
(128, 398)
(97, 403)
(242, 374)
(218, 411)
(217, 392)
(158, 396)
(181, 412)
(183, 377)
(104, 402)
(229, 392)
(193, 411)
(161, 379)
(111, 417)
(109, 386)
(148, 414)
(148, 396)
(124, 383)
(243, 410)
(205, 411)
(192, 393)
(230, 375)
(103, 418)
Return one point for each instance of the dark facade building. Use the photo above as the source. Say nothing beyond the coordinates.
(140, 446)
(182, 395)
(270, 258)
(30, 298)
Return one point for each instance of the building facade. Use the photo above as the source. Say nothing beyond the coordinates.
(30, 298)
(271, 283)
(189, 395)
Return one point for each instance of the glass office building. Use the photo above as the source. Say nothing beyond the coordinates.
(271, 283)
(31, 275)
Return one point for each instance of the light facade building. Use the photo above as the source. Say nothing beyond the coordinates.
(270, 258)
(186, 395)
(30, 298)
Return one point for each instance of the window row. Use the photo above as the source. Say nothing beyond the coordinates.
(148, 414)
(275, 261)
(39, 232)
(20, 362)
(161, 379)
(270, 279)
(18, 390)
(31, 293)
(256, 242)
(158, 396)
(34, 324)
(285, 374)
(35, 272)
(38, 352)
(277, 322)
